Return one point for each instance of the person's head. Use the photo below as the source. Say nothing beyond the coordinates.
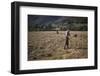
(67, 29)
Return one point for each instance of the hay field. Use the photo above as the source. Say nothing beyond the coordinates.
(48, 45)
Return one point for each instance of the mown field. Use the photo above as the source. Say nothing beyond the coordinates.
(48, 45)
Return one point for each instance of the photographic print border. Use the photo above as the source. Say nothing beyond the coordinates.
(15, 37)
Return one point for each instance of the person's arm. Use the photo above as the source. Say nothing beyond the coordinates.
(66, 33)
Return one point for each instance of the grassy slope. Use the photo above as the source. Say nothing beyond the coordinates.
(49, 45)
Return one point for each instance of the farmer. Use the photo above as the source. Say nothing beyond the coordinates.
(57, 30)
(67, 34)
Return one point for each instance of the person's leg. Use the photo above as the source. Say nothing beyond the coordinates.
(66, 43)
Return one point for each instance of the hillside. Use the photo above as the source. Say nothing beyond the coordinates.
(50, 23)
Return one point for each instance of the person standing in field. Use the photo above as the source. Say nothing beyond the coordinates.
(57, 30)
(67, 34)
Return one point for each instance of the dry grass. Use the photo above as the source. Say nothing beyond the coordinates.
(48, 45)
